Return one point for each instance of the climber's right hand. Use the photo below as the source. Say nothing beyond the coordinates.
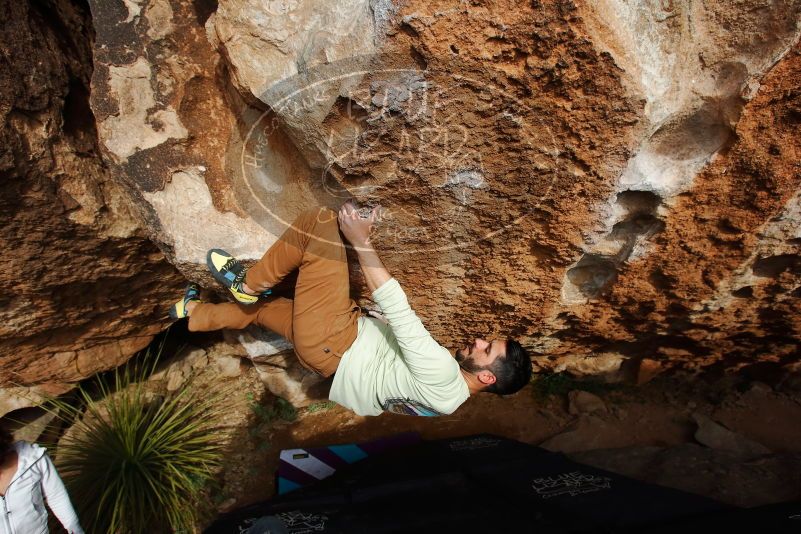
(355, 228)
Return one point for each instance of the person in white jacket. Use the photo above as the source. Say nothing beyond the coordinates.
(27, 477)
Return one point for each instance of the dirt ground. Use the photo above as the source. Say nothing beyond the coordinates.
(657, 416)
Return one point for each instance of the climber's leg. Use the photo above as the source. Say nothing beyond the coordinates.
(324, 316)
(274, 313)
(312, 236)
(179, 310)
(322, 319)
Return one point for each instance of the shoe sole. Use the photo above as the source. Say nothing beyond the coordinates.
(174, 314)
(220, 277)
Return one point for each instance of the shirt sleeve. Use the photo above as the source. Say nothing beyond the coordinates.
(57, 497)
(428, 361)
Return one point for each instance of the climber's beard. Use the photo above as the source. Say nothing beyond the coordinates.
(466, 361)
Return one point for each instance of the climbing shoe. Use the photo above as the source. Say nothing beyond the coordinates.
(229, 272)
(178, 310)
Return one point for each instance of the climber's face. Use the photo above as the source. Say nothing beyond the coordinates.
(480, 354)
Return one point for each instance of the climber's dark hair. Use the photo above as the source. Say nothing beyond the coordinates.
(6, 442)
(512, 370)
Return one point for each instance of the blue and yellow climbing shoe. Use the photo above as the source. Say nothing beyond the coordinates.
(178, 310)
(229, 272)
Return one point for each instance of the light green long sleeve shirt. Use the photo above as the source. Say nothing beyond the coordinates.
(397, 367)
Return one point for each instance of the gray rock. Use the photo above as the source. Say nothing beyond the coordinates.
(33, 430)
(175, 377)
(276, 52)
(229, 366)
(716, 436)
(278, 367)
(760, 388)
(584, 402)
(585, 434)
(16, 398)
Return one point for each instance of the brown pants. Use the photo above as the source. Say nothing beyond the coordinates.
(321, 321)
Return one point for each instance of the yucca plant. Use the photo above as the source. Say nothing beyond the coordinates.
(134, 461)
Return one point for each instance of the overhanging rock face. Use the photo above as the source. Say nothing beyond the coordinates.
(82, 288)
(606, 180)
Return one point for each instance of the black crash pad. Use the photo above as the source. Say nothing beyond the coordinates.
(486, 483)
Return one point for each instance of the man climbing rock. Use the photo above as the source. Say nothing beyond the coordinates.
(393, 365)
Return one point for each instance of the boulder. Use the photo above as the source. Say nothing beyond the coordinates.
(583, 139)
(20, 397)
(561, 163)
(275, 48)
(82, 287)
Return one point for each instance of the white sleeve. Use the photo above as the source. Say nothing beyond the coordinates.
(427, 360)
(57, 498)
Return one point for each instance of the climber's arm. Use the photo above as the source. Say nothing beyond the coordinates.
(375, 274)
(427, 360)
(357, 231)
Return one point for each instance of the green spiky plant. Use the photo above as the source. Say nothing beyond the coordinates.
(134, 461)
